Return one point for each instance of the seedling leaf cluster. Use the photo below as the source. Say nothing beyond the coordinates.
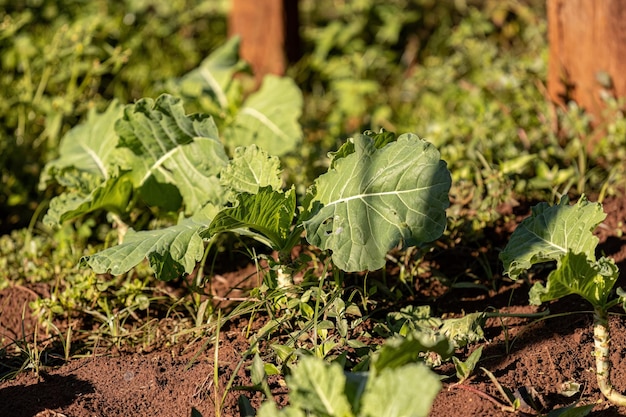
(564, 234)
(388, 388)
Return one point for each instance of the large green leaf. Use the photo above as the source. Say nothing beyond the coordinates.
(212, 84)
(87, 168)
(550, 232)
(576, 274)
(269, 118)
(88, 147)
(319, 388)
(266, 215)
(169, 149)
(172, 251)
(403, 392)
(373, 199)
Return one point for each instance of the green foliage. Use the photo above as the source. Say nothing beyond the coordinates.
(466, 75)
(563, 233)
(156, 154)
(112, 195)
(267, 117)
(391, 393)
(61, 59)
(379, 197)
(322, 389)
(551, 232)
(40, 260)
(266, 215)
(152, 152)
(173, 156)
(172, 251)
(465, 369)
(250, 169)
(379, 202)
(363, 53)
(88, 148)
(459, 331)
(400, 350)
(578, 274)
(36, 257)
(160, 157)
(465, 330)
(213, 86)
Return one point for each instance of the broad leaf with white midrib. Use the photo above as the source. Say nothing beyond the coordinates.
(172, 148)
(89, 146)
(550, 232)
(213, 81)
(172, 251)
(373, 199)
(269, 118)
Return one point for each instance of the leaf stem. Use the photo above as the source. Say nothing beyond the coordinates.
(517, 315)
(602, 344)
(216, 372)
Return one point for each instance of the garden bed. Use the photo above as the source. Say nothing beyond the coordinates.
(179, 239)
(538, 356)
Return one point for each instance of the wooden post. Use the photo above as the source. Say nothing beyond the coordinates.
(587, 51)
(269, 33)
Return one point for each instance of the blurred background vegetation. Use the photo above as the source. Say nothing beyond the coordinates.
(61, 58)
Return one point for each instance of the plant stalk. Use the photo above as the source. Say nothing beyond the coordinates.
(602, 345)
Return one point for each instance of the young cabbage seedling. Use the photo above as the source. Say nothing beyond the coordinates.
(564, 234)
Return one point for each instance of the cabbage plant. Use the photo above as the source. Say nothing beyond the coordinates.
(374, 196)
(563, 233)
(379, 191)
